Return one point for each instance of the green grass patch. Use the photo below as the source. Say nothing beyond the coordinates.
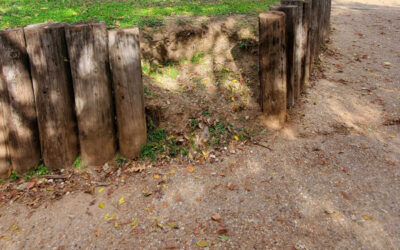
(197, 57)
(119, 13)
(160, 145)
(160, 71)
(36, 172)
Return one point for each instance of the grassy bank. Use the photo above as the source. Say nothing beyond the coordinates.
(119, 13)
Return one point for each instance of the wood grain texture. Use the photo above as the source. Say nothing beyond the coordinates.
(291, 24)
(5, 164)
(52, 87)
(88, 52)
(124, 53)
(272, 53)
(304, 12)
(24, 146)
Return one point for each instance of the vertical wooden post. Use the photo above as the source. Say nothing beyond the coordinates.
(5, 166)
(24, 146)
(314, 31)
(88, 52)
(328, 6)
(291, 24)
(125, 64)
(272, 53)
(304, 5)
(53, 93)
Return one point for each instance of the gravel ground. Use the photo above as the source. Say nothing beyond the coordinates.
(329, 180)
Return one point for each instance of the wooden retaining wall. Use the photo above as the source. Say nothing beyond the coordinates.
(76, 89)
(57, 99)
(305, 30)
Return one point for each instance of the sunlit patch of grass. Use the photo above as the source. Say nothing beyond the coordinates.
(125, 13)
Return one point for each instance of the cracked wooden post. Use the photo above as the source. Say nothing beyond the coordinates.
(5, 164)
(272, 59)
(23, 141)
(51, 78)
(88, 52)
(305, 12)
(291, 24)
(125, 64)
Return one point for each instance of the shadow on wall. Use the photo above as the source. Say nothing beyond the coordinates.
(18, 128)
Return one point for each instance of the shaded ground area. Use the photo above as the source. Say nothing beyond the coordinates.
(329, 179)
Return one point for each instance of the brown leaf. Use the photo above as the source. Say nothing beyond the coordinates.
(90, 190)
(347, 196)
(31, 184)
(222, 230)
(231, 186)
(216, 217)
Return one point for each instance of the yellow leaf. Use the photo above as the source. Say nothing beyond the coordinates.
(101, 205)
(367, 217)
(156, 176)
(101, 190)
(202, 243)
(122, 200)
(233, 99)
(172, 171)
(116, 224)
(114, 216)
(236, 138)
(189, 169)
(107, 216)
(134, 222)
(173, 225)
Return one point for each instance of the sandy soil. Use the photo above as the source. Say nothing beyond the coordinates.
(329, 180)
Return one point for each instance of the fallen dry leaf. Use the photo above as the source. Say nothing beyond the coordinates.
(216, 217)
(347, 196)
(202, 243)
(222, 230)
(368, 217)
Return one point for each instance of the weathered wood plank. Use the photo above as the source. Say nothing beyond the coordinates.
(53, 93)
(124, 53)
(305, 13)
(291, 25)
(24, 146)
(5, 164)
(272, 61)
(88, 52)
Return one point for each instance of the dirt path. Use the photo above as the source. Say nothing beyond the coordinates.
(331, 178)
